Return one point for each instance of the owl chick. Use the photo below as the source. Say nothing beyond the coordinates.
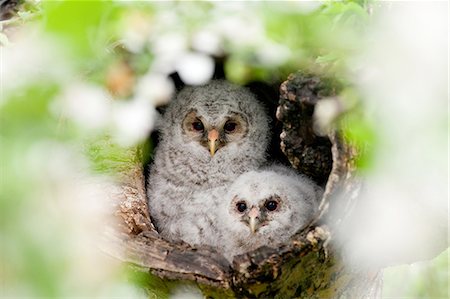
(197, 224)
(209, 135)
(265, 208)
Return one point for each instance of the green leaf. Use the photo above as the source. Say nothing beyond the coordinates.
(84, 26)
(359, 131)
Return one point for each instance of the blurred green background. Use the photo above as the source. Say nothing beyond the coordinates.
(62, 60)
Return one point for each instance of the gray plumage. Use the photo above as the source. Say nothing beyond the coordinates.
(265, 208)
(209, 135)
(198, 223)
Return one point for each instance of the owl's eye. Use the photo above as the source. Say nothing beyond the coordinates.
(271, 205)
(241, 206)
(229, 126)
(198, 126)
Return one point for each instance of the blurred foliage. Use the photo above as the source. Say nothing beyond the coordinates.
(84, 26)
(36, 259)
(360, 130)
(319, 39)
(428, 279)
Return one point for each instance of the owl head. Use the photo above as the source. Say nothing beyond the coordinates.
(216, 119)
(267, 206)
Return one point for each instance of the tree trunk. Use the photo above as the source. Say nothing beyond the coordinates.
(308, 266)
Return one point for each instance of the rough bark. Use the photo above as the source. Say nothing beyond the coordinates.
(8, 8)
(307, 152)
(308, 266)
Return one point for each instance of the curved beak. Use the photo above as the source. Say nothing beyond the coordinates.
(213, 137)
(254, 219)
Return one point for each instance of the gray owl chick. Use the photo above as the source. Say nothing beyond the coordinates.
(265, 208)
(197, 224)
(209, 135)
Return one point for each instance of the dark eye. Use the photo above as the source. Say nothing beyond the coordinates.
(241, 206)
(230, 126)
(198, 126)
(271, 205)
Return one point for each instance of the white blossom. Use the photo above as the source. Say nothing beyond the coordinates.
(186, 291)
(156, 88)
(168, 48)
(306, 6)
(87, 105)
(240, 30)
(65, 215)
(195, 68)
(133, 121)
(32, 57)
(403, 213)
(273, 54)
(137, 29)
(207, 41)
(325, 114)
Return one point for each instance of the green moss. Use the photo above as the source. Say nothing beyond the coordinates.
(107, 157)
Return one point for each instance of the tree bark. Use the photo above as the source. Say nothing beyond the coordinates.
(308, 266)
(8, 8)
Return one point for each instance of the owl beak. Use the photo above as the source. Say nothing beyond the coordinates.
(254, 219)
(213, 137)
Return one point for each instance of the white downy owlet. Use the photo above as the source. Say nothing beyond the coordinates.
(265, 208)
